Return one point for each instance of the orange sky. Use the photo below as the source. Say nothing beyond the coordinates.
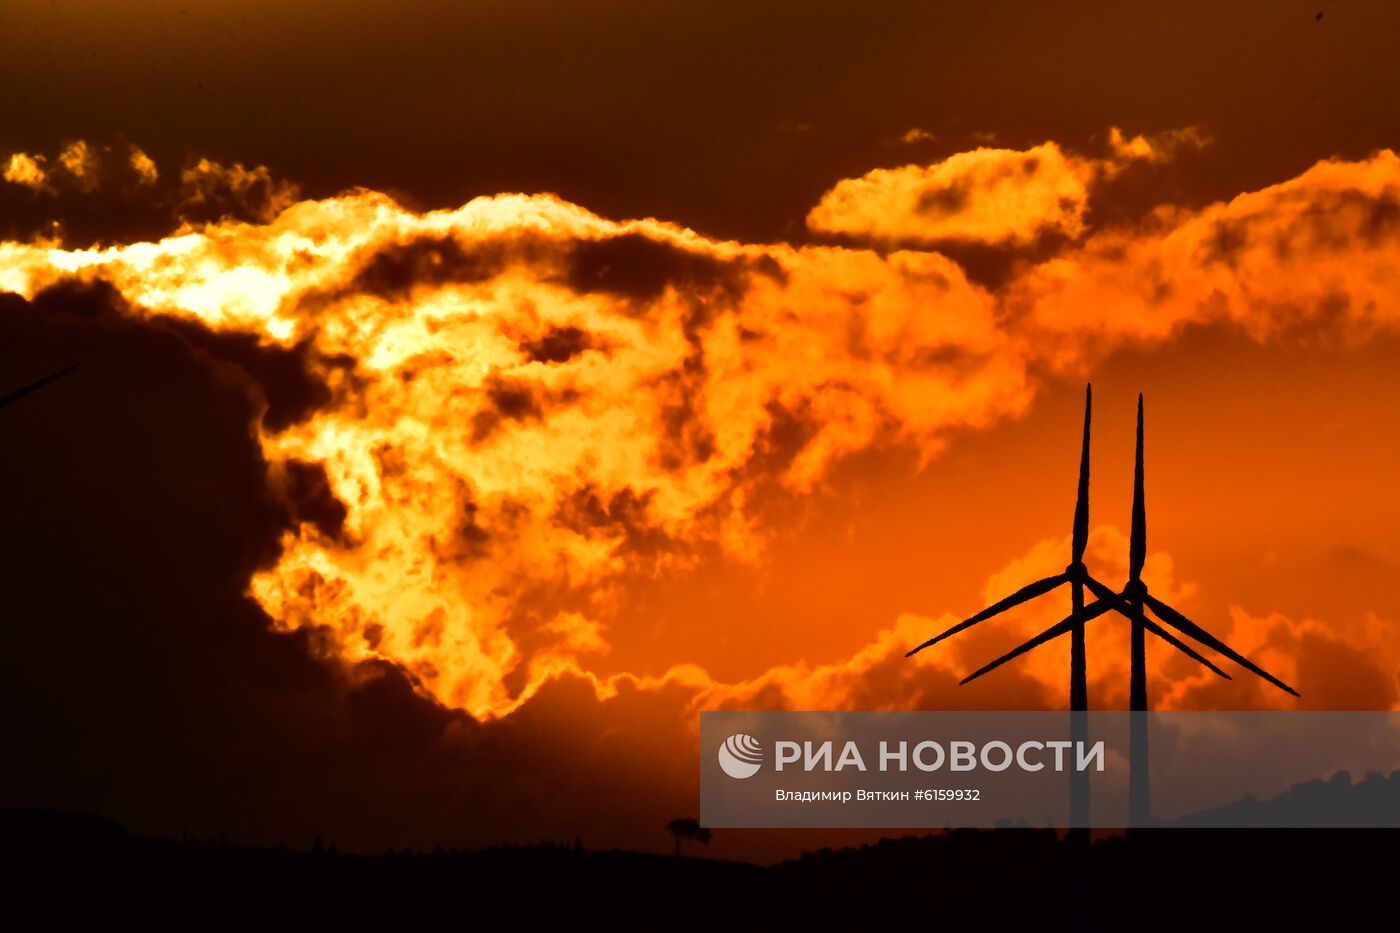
(568, 444)
(785, 377)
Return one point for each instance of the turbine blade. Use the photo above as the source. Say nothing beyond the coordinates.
(1137, 545)
(1028, 592)
(1180, 645)
(1100, 590)
(1119, 604)
(1103, 592)
(1186, 627)
(18, 394)
(1091, 611)
(1081, 502)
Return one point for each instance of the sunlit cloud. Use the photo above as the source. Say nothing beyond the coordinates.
(988, 195)
(520, 395)
(916, 134)
(1157, 147)
(1315, 254)
(995, 196)
(80, 162)
(95, 194)
(27, 170)
(144, 167)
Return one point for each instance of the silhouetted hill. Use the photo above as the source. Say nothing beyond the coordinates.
(1333, 802)
(73, 868)
(64, 870)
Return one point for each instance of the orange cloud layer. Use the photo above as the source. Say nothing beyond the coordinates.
(533, 388)
(985, 196)
(1318, 250)
(526, 398)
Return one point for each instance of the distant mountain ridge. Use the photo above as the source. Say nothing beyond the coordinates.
(1323, 804)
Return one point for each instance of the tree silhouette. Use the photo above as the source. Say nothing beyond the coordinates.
(688, 828)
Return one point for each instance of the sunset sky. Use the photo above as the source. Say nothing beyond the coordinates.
(470, 393)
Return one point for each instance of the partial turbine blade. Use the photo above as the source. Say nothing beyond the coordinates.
(1031, 591)
(18, 394)
(1137, 545)
(1186, 627)
(1081, 502)
(1091, 611)
(1180, 645)
(1119, 604)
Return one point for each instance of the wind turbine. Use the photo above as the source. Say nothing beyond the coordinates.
(1077, 576)
(1134, 602)
(18, 394)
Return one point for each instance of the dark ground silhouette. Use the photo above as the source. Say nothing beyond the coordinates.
(64, 869)
(1336, 801)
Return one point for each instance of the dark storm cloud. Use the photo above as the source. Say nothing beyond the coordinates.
(285, 377)
(284, 382)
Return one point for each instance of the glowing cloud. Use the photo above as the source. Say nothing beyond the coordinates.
(144, 167)
(995, 196)
(1319, 250)
(27, 170)
(988, 195)
(521, 396)
(80, 162)
(520, 390)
